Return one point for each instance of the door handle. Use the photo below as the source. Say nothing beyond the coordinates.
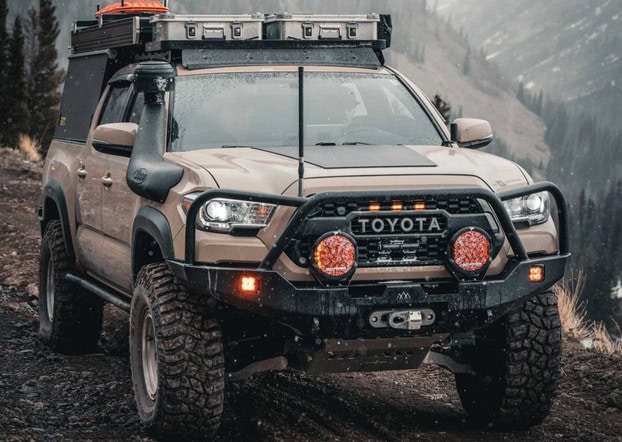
(107, 180)
(81, 172)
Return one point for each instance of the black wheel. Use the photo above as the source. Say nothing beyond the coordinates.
(517, 364)
(69, 321)
(176, 356)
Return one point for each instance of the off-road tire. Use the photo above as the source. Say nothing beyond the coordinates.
(76, 320)
(517, 363)
(188, 397)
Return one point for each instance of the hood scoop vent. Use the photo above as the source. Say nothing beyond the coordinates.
(359, 156)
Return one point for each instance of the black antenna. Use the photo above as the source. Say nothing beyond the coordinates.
(301, 131)
(453, 132)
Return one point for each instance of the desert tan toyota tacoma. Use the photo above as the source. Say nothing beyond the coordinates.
(261, 192)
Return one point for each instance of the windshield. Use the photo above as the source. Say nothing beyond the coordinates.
(261, 110)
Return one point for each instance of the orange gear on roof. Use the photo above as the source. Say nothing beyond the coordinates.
(133, 7)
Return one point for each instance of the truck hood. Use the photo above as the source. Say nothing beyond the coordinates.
(275, 170)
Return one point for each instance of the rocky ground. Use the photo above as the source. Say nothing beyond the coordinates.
(47, 396)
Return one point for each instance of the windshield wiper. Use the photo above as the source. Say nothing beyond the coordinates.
(226, 146)
(326, 143)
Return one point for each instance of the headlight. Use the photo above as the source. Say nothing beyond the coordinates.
(225, 215)
(531, 209)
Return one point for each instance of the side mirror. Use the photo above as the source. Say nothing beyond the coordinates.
(115, 138)
(471, 133)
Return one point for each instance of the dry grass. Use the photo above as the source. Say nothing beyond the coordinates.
(604, 343)
(29, 148)
(574, 323)
(571, 311)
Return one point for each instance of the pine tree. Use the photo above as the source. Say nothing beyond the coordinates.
(416, 54)
(520, 94)
(466, 64)
(44, 96)
(3, 62)
(443, 107)
(31, 27)
(17, 96)
(539, 103)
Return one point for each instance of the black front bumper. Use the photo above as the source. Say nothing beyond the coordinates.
(459, 304)
(464, 306)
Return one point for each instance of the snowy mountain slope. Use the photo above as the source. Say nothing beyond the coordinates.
(572, 49)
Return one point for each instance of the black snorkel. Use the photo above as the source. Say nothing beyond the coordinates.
(148, 175)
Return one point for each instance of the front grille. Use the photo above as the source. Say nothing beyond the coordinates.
(387, 238)
(453, 206)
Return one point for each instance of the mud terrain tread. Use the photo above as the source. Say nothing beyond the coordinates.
(534, 365)
(190, 357)
(77, 321)
(532, 356)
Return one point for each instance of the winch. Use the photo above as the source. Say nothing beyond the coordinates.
(402, 319)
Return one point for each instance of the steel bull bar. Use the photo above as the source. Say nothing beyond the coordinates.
(489, 297)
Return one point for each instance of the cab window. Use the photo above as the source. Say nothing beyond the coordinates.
(116, 102)
(136, 109)
(123, 105)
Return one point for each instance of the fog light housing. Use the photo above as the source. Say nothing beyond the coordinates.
(334, 256)
(470, 251)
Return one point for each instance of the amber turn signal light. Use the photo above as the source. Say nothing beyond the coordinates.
(536, 273)
(397, 206)
(249, 284)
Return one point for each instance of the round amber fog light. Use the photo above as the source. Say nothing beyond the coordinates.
(470, 251)
(335, 255)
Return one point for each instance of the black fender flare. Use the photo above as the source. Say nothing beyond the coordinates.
(151, 221)
(53, 192)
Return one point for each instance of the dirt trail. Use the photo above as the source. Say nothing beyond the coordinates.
(48, 396)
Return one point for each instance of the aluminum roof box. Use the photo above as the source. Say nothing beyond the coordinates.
(286, 26)
(218, 27)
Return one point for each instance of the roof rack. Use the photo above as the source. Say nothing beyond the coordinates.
(148, 32)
